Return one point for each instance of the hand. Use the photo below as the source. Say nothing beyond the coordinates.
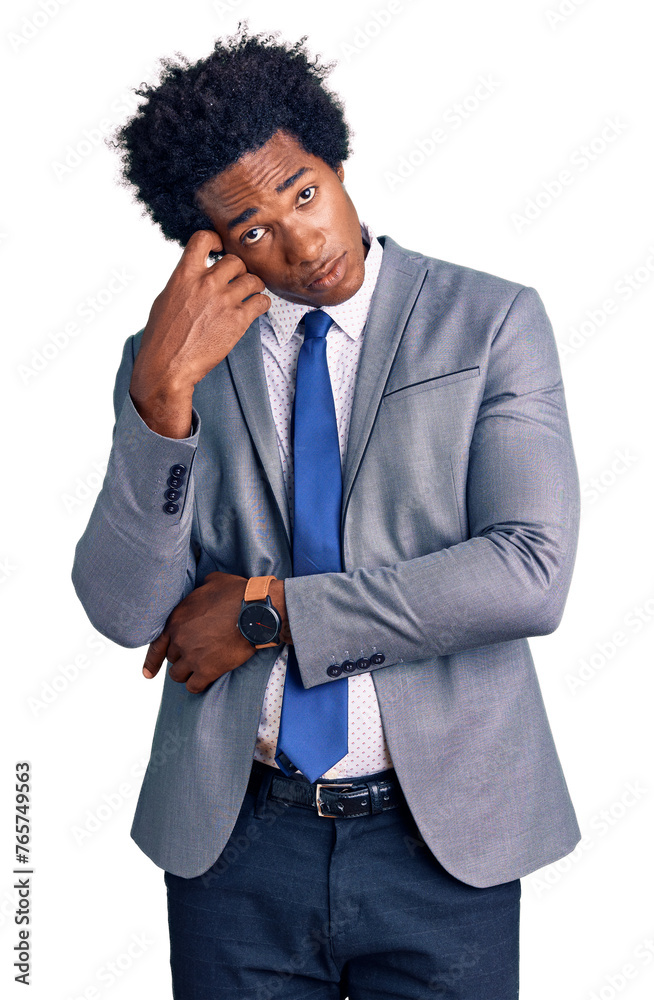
(193, 325)
(201, 637)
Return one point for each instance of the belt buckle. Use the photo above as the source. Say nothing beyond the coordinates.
(331, 784)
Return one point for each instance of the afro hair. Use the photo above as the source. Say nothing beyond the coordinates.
(200, 118)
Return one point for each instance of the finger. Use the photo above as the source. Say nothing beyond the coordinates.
(180, 671)
(155, 655)
(196, 684)
(245, 285)
(228, 268)
(198, 247)
(256, 305)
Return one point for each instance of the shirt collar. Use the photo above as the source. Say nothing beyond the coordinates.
(350, 315)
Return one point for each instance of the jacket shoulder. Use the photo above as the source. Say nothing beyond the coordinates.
(444, 276)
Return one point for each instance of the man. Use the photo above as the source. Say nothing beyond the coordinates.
(341, 495)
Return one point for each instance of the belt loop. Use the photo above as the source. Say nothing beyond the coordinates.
(262, 794)
(375, 797)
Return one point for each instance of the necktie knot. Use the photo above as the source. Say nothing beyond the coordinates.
(316, 324)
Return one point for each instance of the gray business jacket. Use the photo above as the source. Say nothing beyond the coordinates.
(459, 531)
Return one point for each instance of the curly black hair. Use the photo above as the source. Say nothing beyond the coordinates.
(200, 118)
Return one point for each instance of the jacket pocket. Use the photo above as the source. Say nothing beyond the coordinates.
(433, 382)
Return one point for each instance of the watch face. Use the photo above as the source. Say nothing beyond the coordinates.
(258, 623)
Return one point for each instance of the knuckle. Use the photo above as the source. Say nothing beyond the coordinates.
(233, 260)
(202, 234)
(198, 237)
(259, 303)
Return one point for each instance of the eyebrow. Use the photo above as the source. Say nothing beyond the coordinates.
(290, 180)
(249, 212)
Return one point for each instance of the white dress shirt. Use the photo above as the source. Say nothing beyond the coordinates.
(280, 344)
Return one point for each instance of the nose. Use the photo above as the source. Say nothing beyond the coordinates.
(304, 245)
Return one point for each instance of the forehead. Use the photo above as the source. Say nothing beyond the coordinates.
(256, 178)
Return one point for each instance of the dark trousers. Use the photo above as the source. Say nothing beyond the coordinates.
(301, 906)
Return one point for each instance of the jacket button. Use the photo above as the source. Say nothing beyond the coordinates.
(172, 494)
(171, 508)
(175, 482)
(334, 670)
(377, 658)
(363, 663)
(178, 470)
(348, 666)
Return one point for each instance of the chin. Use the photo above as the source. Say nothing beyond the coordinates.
(335, 296)
(342, 294)
(345, 289)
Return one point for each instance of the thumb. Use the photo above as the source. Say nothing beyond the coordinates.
(200, 244)
(155, 655)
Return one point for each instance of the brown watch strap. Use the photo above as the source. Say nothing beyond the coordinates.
(257, 589)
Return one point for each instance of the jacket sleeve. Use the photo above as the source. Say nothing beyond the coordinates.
(134, 561)
(510, 578)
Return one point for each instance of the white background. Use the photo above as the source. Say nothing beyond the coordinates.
(558, 82)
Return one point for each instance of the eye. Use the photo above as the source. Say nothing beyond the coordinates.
(259, 229)
(311, 191)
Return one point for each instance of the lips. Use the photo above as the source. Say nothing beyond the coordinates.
(328, 275)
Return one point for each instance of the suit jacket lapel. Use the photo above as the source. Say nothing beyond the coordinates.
(400, 278)
(245, 362)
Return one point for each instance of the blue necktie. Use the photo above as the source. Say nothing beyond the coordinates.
(313, 724)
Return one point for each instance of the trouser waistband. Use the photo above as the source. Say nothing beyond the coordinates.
(343, 799)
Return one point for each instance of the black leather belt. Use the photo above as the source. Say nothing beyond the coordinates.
(364, 796)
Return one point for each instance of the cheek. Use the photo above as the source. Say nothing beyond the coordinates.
(254, 262)
(270, 273)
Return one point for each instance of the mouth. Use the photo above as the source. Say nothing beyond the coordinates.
(329, 275)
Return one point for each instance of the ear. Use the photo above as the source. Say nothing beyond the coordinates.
(340, 172)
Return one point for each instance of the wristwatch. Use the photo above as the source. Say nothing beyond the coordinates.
(258, 620)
